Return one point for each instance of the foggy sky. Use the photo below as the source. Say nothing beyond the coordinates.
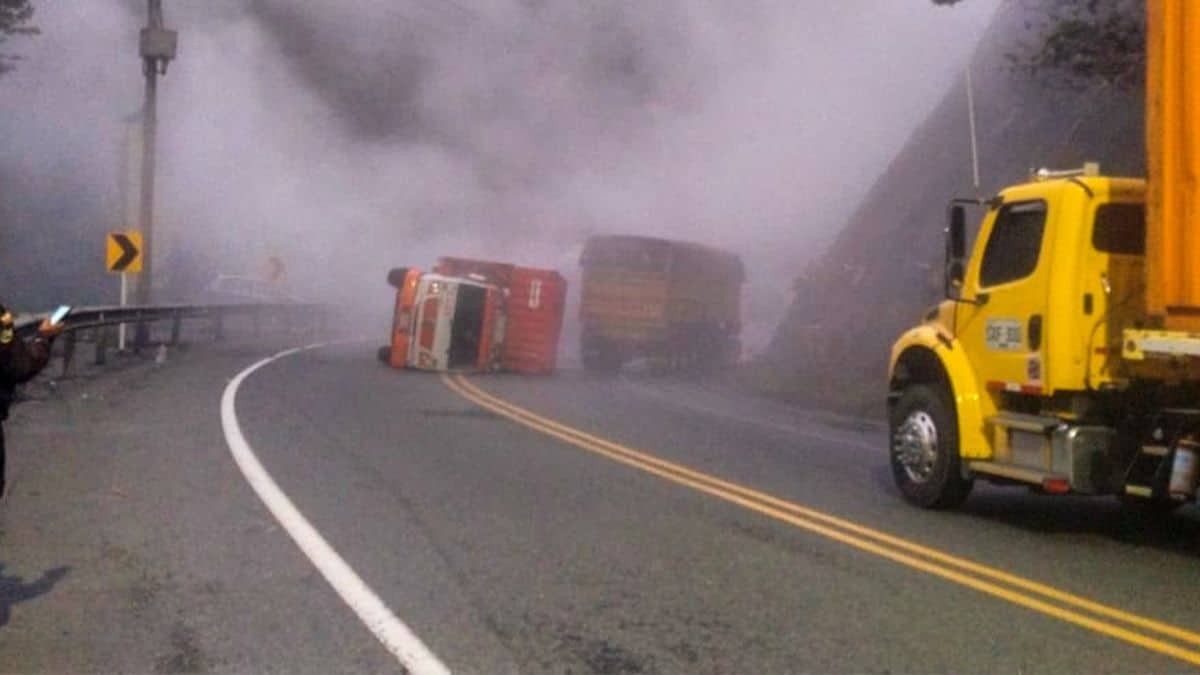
(350, 137)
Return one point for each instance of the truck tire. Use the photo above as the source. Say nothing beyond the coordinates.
(600, 357)
(1157, 507)
(395, 277)
(924, 449)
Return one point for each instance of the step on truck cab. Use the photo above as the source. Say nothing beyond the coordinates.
(1066, 356)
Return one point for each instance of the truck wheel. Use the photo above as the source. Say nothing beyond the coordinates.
(924, 449)
(600, 357)
(384, 354)
(395, 277)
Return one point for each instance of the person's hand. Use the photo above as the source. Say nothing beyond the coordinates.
(49, 330)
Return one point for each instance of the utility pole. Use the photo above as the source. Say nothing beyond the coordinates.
(157, 48)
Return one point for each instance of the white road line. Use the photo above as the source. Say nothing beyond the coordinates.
(391, 631)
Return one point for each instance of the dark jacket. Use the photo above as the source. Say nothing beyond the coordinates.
(20, 361)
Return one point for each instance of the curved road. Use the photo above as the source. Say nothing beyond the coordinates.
(507, 547)
(559, 524)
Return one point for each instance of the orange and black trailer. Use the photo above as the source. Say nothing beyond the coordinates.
(672, 302)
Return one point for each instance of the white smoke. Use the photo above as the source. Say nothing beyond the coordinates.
(347, 138)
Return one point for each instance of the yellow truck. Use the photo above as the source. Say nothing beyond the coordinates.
(1066, 356)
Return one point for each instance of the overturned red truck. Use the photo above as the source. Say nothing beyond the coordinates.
(476, 316)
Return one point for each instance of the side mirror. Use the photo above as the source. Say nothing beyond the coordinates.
(954, 273)
(958, 233)
(956, 250)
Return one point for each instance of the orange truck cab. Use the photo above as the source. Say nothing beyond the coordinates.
(445, 323)
(535, 303)
(476, 316)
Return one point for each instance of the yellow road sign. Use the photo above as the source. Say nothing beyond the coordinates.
(124, 251)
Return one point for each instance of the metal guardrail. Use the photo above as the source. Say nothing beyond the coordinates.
(95, 322)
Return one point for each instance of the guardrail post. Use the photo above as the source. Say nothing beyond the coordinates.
(101, 344)
(176, 327)
(219, 326)
(141, 335)
(68, 351)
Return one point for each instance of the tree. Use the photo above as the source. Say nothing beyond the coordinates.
(15, 17)
(1081, 44)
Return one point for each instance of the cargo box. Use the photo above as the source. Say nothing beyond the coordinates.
(536, 303)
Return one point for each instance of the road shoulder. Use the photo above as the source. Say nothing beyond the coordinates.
(130, 542)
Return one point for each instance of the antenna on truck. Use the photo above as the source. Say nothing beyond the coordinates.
(974, 141)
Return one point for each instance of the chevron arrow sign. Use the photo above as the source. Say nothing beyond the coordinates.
(124, 251)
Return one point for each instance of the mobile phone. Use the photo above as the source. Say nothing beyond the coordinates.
(60, 314)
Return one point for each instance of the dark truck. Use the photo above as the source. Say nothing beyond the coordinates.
(674, 303)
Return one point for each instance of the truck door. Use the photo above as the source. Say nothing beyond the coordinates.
(1004, 331)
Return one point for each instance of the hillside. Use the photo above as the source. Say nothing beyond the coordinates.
(885, 268)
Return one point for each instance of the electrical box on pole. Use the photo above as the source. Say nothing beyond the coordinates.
(158, 44)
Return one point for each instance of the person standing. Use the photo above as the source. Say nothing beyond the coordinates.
(20, 361)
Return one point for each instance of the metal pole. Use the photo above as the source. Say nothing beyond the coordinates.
(124, 302)
(152, 62)
(101, 344)
(68, 351)
(974, 143)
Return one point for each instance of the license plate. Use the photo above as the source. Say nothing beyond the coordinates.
(1004, 335)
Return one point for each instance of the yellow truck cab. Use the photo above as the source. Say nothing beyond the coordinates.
(1066, 356)
(1043, 367)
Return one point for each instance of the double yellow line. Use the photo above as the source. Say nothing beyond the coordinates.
(1133, 628)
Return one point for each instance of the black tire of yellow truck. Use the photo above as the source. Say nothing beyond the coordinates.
(924, 449)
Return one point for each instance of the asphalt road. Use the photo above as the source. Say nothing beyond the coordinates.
(510, 543)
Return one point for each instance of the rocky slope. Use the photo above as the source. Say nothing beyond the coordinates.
(885, 268)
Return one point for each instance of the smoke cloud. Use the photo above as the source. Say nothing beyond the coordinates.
(346, 138)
